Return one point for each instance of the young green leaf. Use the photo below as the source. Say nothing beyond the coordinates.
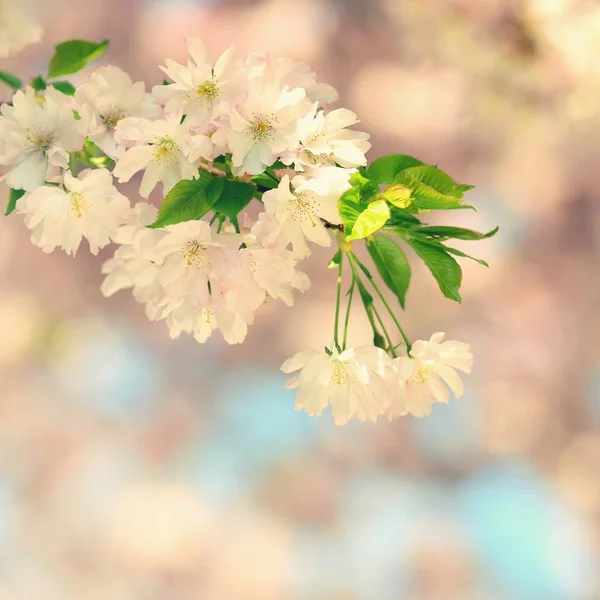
(236, 195)
(392, 264)
(398, 195)
(424, 196)
(438, 180)
(38, 83)
(374, 216)
(72, 56)
(11, 80)
(68, 89)
(384, 169)
(13, 197)
(457, 233)
(190, 199)
(443, 267)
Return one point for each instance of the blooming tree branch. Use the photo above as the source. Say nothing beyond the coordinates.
(217, 136)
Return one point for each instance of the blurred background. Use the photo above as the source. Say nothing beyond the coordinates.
(133, 467)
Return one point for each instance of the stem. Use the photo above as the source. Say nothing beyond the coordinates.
(371, 310)
(220, 226)
(347, 321)
(337, 307)
(385, 302)
(391, 347)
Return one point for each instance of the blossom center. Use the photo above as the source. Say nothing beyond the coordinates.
(421, 375)
(208, 90)
(195, 255)
(39, 139)
(302, 207)
(166, 149)
(78, 204)
(261, 127)
(339, 374)
(323, 159)
(113, 116)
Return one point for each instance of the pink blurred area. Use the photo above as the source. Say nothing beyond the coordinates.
(136, 467)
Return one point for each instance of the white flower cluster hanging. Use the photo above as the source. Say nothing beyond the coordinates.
(216, 136)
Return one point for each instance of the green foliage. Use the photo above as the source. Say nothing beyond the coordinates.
(13, 197)
(370, 220)
(443, 267)
(189, 200)
(72, 56)
(38, 83)
(398, 195)
(235, 196)
(457, 233)
(384, 169)
(68, 89)
(11, 80)
(362, 211)
(464, 255)
(392, 264)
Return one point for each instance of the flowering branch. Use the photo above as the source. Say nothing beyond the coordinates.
(217, 136)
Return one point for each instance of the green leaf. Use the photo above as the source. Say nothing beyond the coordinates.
(402, 218)
(425, 196)
(438, 180)
(392, 264)
(13, 197)
(11, 80)
(461, 253)
(72, 56)
(236, 195)
(335, 261)
(443, 267)
(189, 200)
(371, 219)
(265, 180)
(458, 233)
(399, 195)
(384, 169)
(38, 84)
(68, 89)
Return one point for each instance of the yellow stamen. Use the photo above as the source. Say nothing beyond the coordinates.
(77, 204)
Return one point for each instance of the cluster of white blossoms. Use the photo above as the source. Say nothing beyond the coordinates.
(230, 120)
(365, 382)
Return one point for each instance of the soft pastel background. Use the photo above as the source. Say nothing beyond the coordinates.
(133, 467)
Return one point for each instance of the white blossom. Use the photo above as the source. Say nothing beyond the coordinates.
(135, 263)
(263, 126)
(298, 209)
(273, 268)
(89, 206)
(164, 149)
(36, 135)
(293, 74)
(17, 27)
(107, 98)
(428, 375)
(200, 88)
(352, 382)
(191, 256)
(326, 140)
